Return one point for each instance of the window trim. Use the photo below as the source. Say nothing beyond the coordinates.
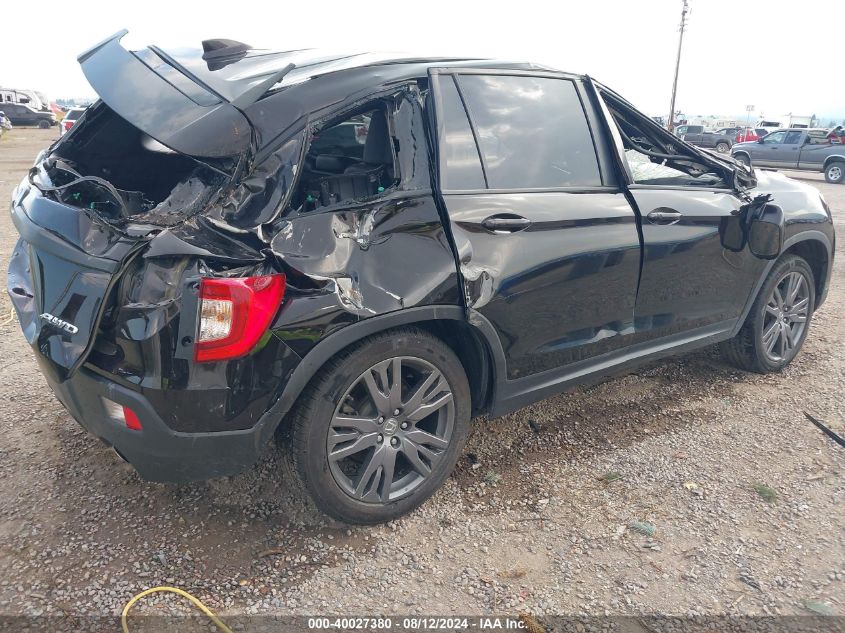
(636, 186)
(473, 129)
(571, 189)
(439, 74)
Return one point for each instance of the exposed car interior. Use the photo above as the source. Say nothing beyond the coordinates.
(348, 160)
(113, 169)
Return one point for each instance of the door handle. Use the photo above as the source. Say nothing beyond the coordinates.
(505, 223)
(664, 216)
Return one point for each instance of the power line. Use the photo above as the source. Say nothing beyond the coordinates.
(684, 12)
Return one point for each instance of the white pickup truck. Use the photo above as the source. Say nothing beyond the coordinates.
(802, 149)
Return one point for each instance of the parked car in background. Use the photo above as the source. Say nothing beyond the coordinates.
(70, 118)
(5, 123)
(21, 114)
(802, 149)
(466, 249)
(749, 134)
(695, 135)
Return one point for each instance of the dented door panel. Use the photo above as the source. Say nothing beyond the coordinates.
(367, 260)
(562, 289)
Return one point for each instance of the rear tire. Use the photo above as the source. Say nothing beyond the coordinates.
(723, 148)
(835, 172)
(360, 461)
(764, 345)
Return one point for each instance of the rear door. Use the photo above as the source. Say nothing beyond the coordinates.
(547, 242)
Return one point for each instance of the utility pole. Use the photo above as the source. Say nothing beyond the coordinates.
(684, 12)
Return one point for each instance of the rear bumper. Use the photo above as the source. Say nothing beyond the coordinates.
(157, 452)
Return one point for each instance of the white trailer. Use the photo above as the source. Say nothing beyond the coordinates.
(27, 97)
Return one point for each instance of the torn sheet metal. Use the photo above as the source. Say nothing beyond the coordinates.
(262, 195)
(376, 258)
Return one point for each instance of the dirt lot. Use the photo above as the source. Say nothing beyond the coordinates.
(541, 516)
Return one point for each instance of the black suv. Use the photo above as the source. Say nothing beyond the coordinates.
(206, 260)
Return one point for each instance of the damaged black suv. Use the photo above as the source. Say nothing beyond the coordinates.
(360, 254)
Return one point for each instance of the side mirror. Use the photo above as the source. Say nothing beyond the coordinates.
(760, 140)
(765, 237)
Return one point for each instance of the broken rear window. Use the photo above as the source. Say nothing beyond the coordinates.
(350, 159)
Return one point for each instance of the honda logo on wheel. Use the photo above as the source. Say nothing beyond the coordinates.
(70, 328)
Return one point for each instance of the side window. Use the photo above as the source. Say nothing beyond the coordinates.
(460, 163)
(532, 131)
(774, 138)
(792, 138)
(655, 157)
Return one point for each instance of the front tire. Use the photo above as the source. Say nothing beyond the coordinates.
(743, 158)
(779, 320)
(43, 124)
(723, 148)
(381, 426)
(835, 173)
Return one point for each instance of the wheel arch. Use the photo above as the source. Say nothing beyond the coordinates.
(813, 246)
(813, 251)
(834, 158)
(473, 340)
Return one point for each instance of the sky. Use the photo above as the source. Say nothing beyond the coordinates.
(775, 55)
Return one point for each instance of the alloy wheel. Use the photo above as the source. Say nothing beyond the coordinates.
(785, 316)
(835, 173)
(390, 430)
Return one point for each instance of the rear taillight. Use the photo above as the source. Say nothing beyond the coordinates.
(234, 314)
(68, 125)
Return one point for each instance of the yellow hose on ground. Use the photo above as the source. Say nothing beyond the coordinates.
(195, 601)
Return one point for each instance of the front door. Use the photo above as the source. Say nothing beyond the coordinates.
(548, 244)
(791, 149)
(770, 150)
(690, 280)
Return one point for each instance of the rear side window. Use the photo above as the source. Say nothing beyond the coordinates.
(532, 131)
(460, 162)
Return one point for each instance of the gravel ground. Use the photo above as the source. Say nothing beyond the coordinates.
(633, 497)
